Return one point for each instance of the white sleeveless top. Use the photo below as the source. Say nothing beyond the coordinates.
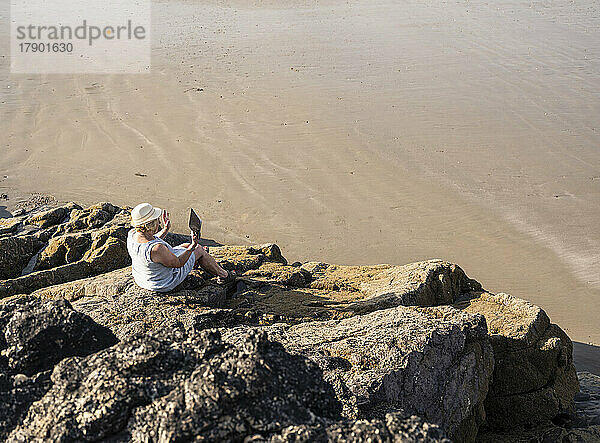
(155, 276)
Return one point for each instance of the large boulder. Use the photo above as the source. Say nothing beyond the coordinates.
(426, 283)
(106, 250)
(50, 217)
(272, 291)
(432, 362)
(534, 376)
(107, 256)
(63, 249)
(15, 253)
(115, 301)
(393, 428)
(93, 217)
(384, 342)
(10, 225)
(37, 334)
(169, 387)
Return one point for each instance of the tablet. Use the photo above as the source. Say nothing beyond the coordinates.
(195, 223)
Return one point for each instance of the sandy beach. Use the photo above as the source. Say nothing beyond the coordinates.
(353, 132)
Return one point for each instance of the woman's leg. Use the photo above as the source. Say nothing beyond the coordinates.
(208, 263)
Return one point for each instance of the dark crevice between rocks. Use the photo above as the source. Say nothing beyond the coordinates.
(33, 261)
(105, 227)
(190, 385)
(278, 299)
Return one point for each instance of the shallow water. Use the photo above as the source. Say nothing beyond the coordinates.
(350, 132)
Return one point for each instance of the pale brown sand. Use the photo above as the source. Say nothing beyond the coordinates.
(352, 132)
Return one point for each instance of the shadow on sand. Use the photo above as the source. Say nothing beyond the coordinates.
(209, 242)
(4, 213)
(176, 239)
(586, 357)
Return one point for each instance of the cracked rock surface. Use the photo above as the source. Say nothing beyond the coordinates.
(37, 334)
(290, 352)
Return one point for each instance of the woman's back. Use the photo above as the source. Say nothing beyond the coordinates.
(148, 274)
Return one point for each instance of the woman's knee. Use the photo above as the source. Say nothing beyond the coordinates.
(200, 252)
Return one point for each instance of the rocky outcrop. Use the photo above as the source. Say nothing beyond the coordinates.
(274, 291)
(15, 253)
(36, 335)
(128, 309)
(10, 225)
(310, 352)
(51, 217)
(81, 243)
(111, 255)
(93, 217)
(169, 387)
(114, 300)
(429, 283)
(534, 376)
(270, 289)
(63, 249)
(393, 427)
(434, 362)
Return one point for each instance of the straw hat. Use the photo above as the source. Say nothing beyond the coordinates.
(144, 213)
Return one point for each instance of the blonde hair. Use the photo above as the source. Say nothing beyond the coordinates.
(147, 227)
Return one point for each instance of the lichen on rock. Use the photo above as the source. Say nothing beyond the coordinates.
(81, 243)
(534, 376)
(305, 352)
(431, 362)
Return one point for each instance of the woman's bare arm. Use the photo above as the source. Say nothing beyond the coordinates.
(166, 223)
(161, 254)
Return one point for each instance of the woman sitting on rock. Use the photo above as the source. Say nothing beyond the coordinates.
(156, 265)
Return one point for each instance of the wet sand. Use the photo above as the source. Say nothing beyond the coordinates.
(586, 357)
(350, 132)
